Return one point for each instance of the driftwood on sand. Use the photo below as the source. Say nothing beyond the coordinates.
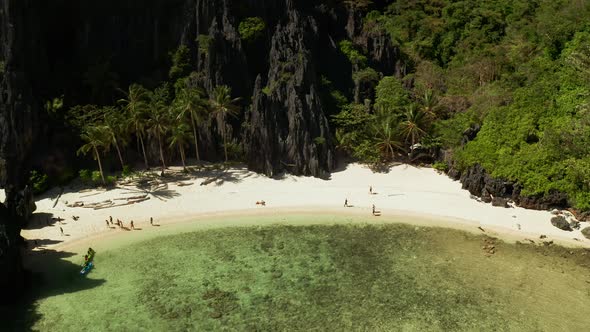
(183, 184)
(110, 203)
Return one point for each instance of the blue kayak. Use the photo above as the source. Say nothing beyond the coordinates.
(86, 268)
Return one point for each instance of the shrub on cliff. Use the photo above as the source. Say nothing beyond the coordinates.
(39, 182)
(251, 28)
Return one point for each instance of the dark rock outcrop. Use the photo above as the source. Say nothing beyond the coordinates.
(501, 202)
(287, 127)
(18, 128)
(481, 184)
(586, 232)
(470, 133)
(561, 223)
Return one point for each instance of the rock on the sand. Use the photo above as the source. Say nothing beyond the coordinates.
(499, 201)
(586, 232)
(561, 223)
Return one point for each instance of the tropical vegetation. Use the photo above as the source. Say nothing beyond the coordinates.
(513, 73)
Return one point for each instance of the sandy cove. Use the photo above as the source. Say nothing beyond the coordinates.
(406, 193)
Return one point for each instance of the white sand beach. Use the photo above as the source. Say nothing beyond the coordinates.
(405, 193)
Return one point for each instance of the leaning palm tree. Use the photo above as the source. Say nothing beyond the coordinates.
(136, 105)
(222, 105)
(386, 136)
(179, 137)
(189, 103)
(158, 122)
(95, 137)
(414, 124)
(115, 127)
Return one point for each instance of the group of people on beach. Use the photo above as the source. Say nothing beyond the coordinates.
(119, 223)
(374, 212)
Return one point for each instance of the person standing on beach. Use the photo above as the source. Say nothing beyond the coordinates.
(370, 190)
(132, 227)
(62, 231)
(111, 219)
(151, 221)
(373, 209)
(108, 226)
(346, 202)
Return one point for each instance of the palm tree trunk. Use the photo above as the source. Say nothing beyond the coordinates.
(99, 164)
(161, 152)
(195, 135)
(144, 154)
(119, 153)
(182, 156)
(224, 142)
(137, 142)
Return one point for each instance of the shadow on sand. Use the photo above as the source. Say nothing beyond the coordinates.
(48, 274)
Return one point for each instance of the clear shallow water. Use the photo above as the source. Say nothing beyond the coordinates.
(324, 277)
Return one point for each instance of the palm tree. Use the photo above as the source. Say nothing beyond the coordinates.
(414, 124)
(385, 127)
(222, 105)
(158, 122)
(189, 102)
(429, 103)
(135, 104)
(95, 137)
(115, 127)
(179, 137)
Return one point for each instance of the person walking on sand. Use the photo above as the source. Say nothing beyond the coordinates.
(62, 231)
(111, 219)
(151, 221)
(370, 190)
(108, 226)
(346, 202)
(373, 209)
(132, 227)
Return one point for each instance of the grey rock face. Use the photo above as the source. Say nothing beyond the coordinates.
(287, 127)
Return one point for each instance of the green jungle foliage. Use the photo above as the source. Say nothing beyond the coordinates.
(204, 43)
(519, 69)
(39, 182)
(251, 28)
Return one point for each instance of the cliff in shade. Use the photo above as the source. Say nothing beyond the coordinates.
(86, 51)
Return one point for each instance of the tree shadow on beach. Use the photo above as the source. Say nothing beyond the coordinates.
(156, 189)
(40, 220)
(48, 274)
(220, 174)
